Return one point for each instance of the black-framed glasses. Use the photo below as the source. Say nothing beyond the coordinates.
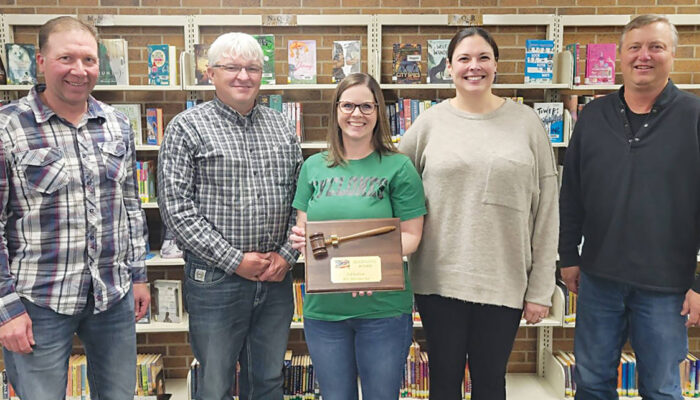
(347, 107)
(235, 68)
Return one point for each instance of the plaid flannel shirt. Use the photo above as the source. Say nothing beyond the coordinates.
(226, 182)
(71, 218)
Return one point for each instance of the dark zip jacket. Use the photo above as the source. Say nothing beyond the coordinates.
(634, 198)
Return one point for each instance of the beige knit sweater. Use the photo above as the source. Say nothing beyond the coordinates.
(490, 235)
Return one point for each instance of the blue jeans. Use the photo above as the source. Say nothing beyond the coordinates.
(109, 339)
(607, 311)
(235, 319)
(376, 349)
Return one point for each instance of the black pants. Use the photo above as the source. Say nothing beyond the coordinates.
(455, 329)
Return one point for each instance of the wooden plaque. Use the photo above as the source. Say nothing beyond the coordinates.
(322, 273)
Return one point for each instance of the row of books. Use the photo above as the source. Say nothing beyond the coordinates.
(299, 291)
(299, 378)
(405, 111)
(146, 174)
(600, 63)
(154, 122)
(150, 380)
(569, 303)
(290, 110)
(301, 60)
(416, 380)
(627, 377)
(114, 64)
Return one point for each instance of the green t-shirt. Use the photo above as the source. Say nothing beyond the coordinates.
(373, 187)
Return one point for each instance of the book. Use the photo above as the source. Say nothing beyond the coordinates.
(575, 51)
(21, 64)
(3, 75)
(600, 63)
(406, 63)
(114, 62)
(346, 59)
(201, 61)
(133, 112)
(154, 126)
(168, 300)
(267, 43)
(302, 61)
(437, 62)
(539, 61)
(552, 116)
(162, 65)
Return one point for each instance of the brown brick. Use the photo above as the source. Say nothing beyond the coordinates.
(179, 350)
(636, 2)
(360, 3)
(556, 3)
(517, 356)
(241, 3)
(440, 3)
(201, 3)
(656, 10)
(7, 2)
(518, 368)
(400, 3)
(281, 3)
(321, 3)
(615, 10)
(673, 2)
(533, 10)
(56, 10)
(688, 10)
(478, 3)
(37, 2)
(139, 11)
(160, 3)
(113, 3)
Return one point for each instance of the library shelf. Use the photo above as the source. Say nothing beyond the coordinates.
(106, 88)
(149, 205)
(147, 147)
(158, 327)
(158, 261)
(176, 387)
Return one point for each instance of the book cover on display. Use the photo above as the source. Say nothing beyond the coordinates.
(539, 61)
(267, 42)
(407, 63)
(201, 77)
(302, 61)
(600, 63)
(346, 59)
(21, 64)
(114, 62)
(437, 62)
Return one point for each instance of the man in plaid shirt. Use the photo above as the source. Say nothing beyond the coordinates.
(73, 236)
(227, 173)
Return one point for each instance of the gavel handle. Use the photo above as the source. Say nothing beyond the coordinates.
(371, 232)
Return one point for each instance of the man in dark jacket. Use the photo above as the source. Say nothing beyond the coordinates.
(631, 188)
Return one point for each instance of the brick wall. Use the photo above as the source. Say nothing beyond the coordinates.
(316, 102)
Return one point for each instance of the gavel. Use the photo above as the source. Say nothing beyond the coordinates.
(319, 242)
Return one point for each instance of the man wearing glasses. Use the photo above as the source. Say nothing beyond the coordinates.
(227, 172)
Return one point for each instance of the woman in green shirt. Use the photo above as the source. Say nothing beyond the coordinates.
(361, 176)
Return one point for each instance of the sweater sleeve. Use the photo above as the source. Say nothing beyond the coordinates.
(571, 212)
(545, 216)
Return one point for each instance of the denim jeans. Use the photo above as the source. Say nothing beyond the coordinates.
(109, 339)
(235, 319)
(607, 311)
(373, 348)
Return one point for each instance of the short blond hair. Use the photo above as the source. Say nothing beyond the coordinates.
(648, 19)
(63, 24)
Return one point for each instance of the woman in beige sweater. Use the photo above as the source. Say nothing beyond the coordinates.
(490, 236)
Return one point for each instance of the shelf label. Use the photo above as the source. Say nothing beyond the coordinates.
(97, 20)
(279, 20)
(465, 19)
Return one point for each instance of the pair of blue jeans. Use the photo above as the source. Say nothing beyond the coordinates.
(109, 338)
(373, 348)
(234, 319)
(607, 312)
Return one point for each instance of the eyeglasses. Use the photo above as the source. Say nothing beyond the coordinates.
(235, 69)
(347, 107)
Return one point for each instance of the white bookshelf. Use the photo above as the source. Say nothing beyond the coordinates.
(157, 327)
(178, 389)
(158, 261)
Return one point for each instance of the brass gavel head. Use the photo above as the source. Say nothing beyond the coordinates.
(318, 245)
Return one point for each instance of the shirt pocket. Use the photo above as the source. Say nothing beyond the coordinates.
(44, 169)
(283, 165)
(508, 183)
(113, 157)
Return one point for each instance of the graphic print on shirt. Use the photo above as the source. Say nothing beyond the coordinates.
(360, 186)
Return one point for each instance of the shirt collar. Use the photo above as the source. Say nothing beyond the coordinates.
(42, 112)
(238, 117)
(665, 98)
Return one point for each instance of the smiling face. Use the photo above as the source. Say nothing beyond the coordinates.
(237, 90)
(473, 65)
(356, 126)
(646, 56)
(69, 62)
